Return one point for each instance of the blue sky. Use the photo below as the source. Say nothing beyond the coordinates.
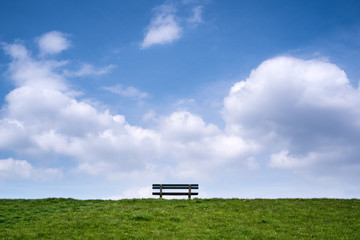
(100, 99)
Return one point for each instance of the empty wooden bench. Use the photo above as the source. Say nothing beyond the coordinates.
(159, 189)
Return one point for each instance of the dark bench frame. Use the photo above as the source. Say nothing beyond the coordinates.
(162, 187)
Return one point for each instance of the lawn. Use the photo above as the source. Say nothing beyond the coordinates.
(57, 218)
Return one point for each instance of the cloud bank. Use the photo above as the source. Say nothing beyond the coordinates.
(293, 115)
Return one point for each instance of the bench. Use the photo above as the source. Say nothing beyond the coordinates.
(162, 187)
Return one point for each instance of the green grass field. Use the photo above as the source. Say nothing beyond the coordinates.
(180, 219)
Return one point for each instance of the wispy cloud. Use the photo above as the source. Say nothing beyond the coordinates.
(196, 17)
(88, 69)
(164, 28)
(167, 26)
(128, 92)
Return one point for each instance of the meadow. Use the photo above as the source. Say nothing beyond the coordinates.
(57, 218)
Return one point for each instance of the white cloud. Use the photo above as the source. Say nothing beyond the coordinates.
(167, 26)
(128, 92)
(163, 29)
(13, 134)
(50, 122)
(88, 69)
(41, 119)
(186, 126)
(25, 71)
(54, 123)
(198, 150)
(53, 42)
(21, 169)
(16, 51)
(305, 107)
(308, 108)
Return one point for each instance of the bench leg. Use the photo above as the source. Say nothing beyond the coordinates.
(189, 195)
(160, 190)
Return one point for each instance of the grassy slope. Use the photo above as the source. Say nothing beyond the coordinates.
(180, 219)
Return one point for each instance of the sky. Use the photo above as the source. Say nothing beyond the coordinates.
(249, 99)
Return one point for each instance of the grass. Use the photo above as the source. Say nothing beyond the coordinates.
(57, 218)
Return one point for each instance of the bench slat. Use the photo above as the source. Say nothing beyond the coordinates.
(185, 187)
(175, 193)
(175, 186)
(167, 184)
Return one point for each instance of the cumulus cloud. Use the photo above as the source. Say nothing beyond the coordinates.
(163, 29)
(26, 71)
(53, 42)
(294, 113)
(198, 149)
(289, 114)
(54, 123)
(301, 113)
(43, 120)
